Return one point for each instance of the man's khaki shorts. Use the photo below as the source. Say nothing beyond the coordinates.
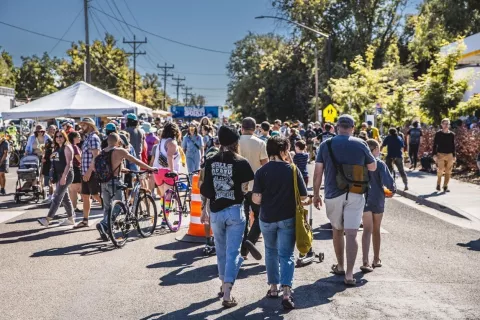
(345, 213)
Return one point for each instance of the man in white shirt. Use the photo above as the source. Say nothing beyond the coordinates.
(255, 151)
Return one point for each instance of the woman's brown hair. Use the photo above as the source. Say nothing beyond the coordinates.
(65, 137)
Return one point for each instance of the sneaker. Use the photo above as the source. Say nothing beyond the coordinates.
(438, 187)
(103, 233)
(67, 222)
(78, 210)
(406, 188)
(253, 250)
(44, 222)
(2, 192)
(163, 225)
(48, 200)
(445, 189)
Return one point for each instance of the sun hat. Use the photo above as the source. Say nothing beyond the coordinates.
(147, 128)
(88, 121)
(346, 120)
(132, 116)
(39, 128)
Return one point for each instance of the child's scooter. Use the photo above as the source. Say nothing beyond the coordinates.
(304, 260)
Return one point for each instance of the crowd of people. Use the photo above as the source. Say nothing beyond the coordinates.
(248, 171)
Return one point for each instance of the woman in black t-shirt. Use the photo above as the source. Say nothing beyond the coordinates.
(274, 191)
(226, 179)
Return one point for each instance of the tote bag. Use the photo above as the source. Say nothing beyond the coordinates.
(303, 230)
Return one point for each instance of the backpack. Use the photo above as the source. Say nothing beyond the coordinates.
(414, 136)
(103, 166)
(350, 177)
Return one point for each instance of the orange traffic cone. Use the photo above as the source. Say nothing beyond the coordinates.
(196, 230)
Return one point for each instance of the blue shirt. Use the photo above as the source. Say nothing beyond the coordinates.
(376, 195)
(394, 146)
(347, 150)
(301, 161)
(192, 146)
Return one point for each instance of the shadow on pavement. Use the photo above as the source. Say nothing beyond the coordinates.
(473, 245)
(181, 258)
(40, 236)
(178, 245)
(83, 249)
(431, 195)
(187, 313)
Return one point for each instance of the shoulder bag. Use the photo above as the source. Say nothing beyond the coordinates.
(303, 230)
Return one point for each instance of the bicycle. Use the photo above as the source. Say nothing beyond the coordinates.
(138, 211)
(176, 208)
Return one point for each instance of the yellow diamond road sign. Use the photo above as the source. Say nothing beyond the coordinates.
(330, 113)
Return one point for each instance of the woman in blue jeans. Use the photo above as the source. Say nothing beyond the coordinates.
(225, 182)
(274, 191)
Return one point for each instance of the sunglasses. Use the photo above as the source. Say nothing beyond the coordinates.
(59, 136)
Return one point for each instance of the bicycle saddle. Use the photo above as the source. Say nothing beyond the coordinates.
(171, 175)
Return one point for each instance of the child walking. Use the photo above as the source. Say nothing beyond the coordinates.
(380, 180)
(300, 159)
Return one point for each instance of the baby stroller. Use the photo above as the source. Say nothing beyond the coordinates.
(28, 173)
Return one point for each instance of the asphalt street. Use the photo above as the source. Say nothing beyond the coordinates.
(430, 271)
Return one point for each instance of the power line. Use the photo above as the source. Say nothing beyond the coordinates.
(96, 27)
(68, 29)
(165, 76)
(34, 32)
(131, 13)
(161, 37)
(121, 16)
(99, 21)
(111, 9)
(213, 89)
(135, 44)
(111, 21)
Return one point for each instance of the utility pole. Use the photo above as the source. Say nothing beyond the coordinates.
(135, 45)
(178, 85)
(187, 94)
(165, 75)
(88, 75)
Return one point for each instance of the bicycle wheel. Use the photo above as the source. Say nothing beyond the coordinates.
(14, 159)
(172, 210)
(146, 214)
(118, 224)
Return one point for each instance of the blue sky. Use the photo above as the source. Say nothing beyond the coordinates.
(214, 24)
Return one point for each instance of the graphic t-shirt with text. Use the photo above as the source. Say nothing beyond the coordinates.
(224, 175)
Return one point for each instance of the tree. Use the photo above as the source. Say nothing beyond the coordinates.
(150, 94)
(7, 70)
(439, 92)
(197, 100)
(37, 76)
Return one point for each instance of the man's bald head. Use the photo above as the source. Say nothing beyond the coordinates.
(248, 125)
(113, 139)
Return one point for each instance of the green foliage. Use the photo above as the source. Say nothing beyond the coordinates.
(466, 108)
(7, 70)
(439, 92)
(37, 76)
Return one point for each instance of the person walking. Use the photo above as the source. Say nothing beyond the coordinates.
(225, 183)
(274, 192)
(395, 146)
(380, 179)
(4, 162)
(264, 131)
(76, 187)
(90, 184)
(193, 146)
(414, 139)
(344, 208)
(137, 136)
(62, 175)
(444, 154)
(372, 131)
(151, 138)
(255, 151)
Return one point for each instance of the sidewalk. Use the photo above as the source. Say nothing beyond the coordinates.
(462, 201)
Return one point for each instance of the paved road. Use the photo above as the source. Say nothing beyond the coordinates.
(430, 272)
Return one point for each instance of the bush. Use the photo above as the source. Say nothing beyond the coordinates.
(467, 145)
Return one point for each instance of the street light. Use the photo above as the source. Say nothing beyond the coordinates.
(329, 55)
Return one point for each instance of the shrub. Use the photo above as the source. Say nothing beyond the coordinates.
(467, 145)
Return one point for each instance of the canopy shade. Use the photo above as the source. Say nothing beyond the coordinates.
(78, 100)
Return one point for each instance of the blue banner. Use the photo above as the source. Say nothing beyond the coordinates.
(194, 112)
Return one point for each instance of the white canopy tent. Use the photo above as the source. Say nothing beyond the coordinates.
(78, 100)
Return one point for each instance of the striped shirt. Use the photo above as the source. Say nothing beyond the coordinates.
(301, 160)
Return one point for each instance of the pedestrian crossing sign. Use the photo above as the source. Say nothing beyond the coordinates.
(330, 113)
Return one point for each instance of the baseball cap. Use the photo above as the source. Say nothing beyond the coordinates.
(346, 120)
(111, 127)
(132, 116)
(369, 122)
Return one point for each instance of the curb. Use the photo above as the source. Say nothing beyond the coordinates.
(437, 205)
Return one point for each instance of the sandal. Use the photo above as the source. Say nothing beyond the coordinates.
(336, 271)
(366, 269)
(350, 283)
(82, 224)
(229, 303)
(288, 303)
(377, 265)
(272, 294)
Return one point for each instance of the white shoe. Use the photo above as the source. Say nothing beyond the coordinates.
(43, 221)
(67, 222)
(48, 200)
